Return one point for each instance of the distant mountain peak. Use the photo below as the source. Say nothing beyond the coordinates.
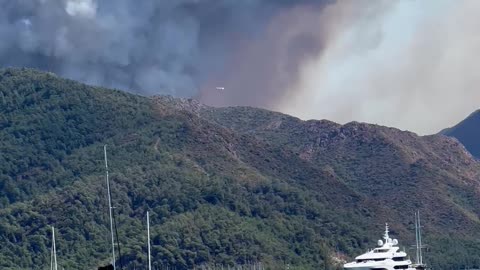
(467, 132)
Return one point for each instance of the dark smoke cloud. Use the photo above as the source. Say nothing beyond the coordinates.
(178, 47)
(261, 70)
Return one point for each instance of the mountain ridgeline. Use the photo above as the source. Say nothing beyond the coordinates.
(224, 186)
(468, 133)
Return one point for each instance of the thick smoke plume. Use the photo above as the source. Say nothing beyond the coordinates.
(171, 47)
(407, 64)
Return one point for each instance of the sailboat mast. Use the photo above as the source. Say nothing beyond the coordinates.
(109, 206)
(51, 256)
(419, 238)
(416, 239)
(148, 237)
(54, 251)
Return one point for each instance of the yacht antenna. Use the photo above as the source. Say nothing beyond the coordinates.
(109, 206)
(148, 237)
(386, 237)
(53, 259)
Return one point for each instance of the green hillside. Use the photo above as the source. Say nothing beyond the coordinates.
(223, 186)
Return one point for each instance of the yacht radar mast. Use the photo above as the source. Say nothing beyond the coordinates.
(385, 236)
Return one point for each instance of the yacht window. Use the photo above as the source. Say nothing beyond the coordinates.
(401, 267)
(399, 259)
(380, 250)
(366, 260)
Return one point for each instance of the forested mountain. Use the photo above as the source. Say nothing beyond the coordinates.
(468, 133)
(223, 185)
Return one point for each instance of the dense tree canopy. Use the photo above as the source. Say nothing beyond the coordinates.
(223, 186)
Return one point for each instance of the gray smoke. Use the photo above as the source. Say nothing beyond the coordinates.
(408, 64)
(171, 47)
(260, 71)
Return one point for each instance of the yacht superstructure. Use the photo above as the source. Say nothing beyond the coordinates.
(386, 256)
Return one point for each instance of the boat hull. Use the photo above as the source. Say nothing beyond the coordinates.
(374, 266)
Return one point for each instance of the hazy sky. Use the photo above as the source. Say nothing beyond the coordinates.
(410, 64)
(407, 64)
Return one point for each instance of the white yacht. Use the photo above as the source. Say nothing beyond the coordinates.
(386, 256)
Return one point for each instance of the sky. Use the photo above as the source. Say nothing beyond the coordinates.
(410, 64)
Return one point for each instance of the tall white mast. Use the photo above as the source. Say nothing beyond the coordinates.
(417, 257)
(51, 256)
(109, 207)
(148, 232)
(53, 261)
(419, 238)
